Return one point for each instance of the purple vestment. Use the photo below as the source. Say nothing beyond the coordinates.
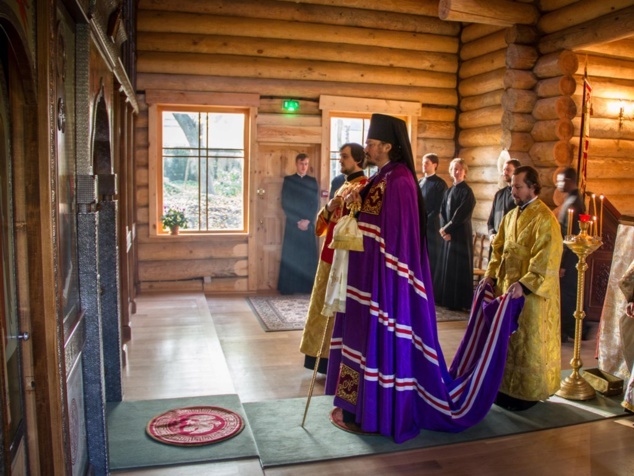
(386, 364)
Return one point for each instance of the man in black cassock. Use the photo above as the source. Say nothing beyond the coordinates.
(567, 184)
(456, 269)
(300, 201)
(433, 189)
(503, 201)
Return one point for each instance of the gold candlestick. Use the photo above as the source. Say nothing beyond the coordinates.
(575, 387)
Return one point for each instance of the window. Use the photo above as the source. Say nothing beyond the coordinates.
(203, 166)
(345, 129)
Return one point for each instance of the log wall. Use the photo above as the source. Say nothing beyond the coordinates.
(279, 49)
(481, 88)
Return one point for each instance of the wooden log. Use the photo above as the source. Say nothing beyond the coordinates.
(620, 48)
(480, 136)
(481, 211)
(546, 176)
(623, 203)
(484, 191)
(561, 107)
(542, 154)
(476, 31)
(190, 269)
(603, 128)
(436, 130)
(521, 56)
(303, 89)
(611, 27)
(611, 168)
(291, 12)
(441, 114)
(556, 86)
(483, 155)
(517, 141)
(612, 148)
(493, 98)
(552, 130)
(186, 250)
(482, 46)
(270, 68)
(519, 79)
(489, 12)
(608, 67)
(483, 83)
(413, 7)
(519, 100)
(485, 174)
(289, 134)
(305, 50)
(517, 122)
(558, 63)
(523, 157)
(578, 12)
(610, 187)
(226, 285)
(487, 116)
(563, 153)
(521, 34)
(172, 22)
(442, 147)
(483, 64)
(188, 285)
(550, 5)
(601, 107)
(288, 120)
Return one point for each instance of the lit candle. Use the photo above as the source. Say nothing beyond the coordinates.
(594, 203)
(594, 226)
(569, 228)
(601, 218)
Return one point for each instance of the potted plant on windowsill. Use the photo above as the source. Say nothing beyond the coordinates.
(174, 219)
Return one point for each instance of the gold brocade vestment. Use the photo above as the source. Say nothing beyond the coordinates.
(315, 321)
(528, 249)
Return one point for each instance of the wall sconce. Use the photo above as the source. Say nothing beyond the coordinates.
(625, 112)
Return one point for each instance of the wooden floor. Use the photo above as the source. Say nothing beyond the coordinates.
(191, 345)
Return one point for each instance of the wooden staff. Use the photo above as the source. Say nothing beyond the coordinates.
(312, 382)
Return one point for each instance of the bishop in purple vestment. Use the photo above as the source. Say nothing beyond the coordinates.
(386, 368)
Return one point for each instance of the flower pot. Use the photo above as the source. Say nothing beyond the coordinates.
(174, 230)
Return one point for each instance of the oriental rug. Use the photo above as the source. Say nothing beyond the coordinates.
(276, 426)
(130, 446)
(288, 313)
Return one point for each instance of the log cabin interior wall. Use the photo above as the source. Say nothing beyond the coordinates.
(392, 51)
(482, 88)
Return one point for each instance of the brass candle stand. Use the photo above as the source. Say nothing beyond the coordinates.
(575, 387)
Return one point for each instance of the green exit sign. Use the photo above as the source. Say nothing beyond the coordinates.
(290, 105)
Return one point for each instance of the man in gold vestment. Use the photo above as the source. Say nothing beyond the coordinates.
(351, 159)
(525, 259)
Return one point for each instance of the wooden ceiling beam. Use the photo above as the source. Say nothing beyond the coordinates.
(612, 27)
(488, 12)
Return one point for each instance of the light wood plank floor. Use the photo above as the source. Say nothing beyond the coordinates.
(186, 344)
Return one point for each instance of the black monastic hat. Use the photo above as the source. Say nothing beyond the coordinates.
(394, 131)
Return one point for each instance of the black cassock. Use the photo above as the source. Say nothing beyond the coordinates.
(502, 204)
(300, 201)
(568, 282)
(433, 189)
(456, 270)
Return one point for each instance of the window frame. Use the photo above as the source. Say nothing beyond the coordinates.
(339, 106)
(160, 101)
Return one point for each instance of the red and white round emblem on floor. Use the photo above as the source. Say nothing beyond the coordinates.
(195, 426)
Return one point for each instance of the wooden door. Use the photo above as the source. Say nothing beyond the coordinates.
(274, 162)
(11, 370)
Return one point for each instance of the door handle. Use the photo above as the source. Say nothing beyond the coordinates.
(24, 336)
(260, 192)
